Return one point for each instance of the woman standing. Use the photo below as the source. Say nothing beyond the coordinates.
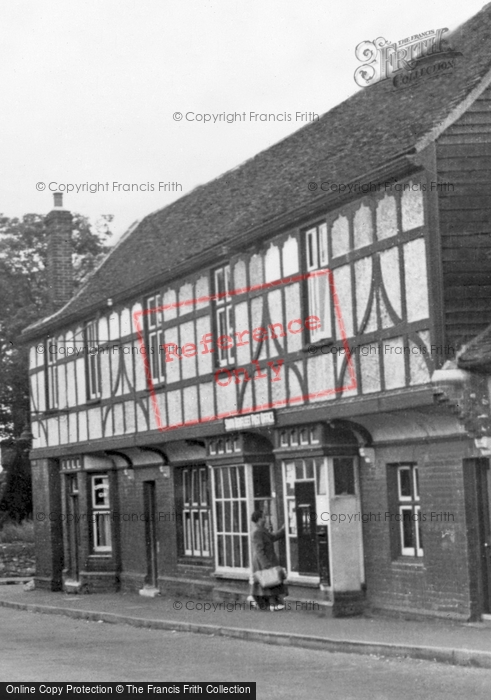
(264, 557)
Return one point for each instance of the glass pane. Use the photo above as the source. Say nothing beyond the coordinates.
(187, 531)
(241, 481)
(228, 519)
(237, 557)
(205, 532)
(221, 550)
(407, 528)
(195, 486)
(235, 517)
(405, 482)
(299, 472)
(197, 534)
(290, 478)
(243, 516)
(233, 480)
(218, 483)
(219, 507)
(245, 552)
(228, 550)
(203, 489)
(292, 517)
(226, 482)
(219, 283)
(309, 468)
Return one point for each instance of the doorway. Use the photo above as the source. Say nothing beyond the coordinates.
(151, 579)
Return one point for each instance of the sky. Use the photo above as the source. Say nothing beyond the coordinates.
(90, 89)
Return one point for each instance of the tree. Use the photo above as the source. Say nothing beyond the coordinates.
(24, 298)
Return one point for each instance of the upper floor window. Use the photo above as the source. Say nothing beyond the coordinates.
(92, 361)
(155, 337)
(318, 283)
(224, 316)
(51, 374)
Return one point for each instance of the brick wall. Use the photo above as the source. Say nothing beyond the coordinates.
(59, 265)
(48, 534)
(439, 582)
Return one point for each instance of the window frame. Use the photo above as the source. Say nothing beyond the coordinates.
(51, 368)
(155, 337)
(200, 508)
(223, 309)
(92, 362)
(98, 510)
(316, 241)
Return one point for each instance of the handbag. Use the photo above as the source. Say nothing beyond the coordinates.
(268, 578)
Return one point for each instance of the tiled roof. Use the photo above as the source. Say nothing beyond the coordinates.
(366, 131)
(477, 355)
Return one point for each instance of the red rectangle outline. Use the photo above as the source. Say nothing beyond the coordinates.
(137, 315)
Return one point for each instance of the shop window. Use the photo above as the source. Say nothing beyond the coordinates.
(405, 510)
(261, 486)
(231, 517)
(196, 512)
(101, 514)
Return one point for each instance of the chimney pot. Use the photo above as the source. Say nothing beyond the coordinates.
(58, 197)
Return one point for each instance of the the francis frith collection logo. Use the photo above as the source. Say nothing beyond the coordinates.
(406, 61)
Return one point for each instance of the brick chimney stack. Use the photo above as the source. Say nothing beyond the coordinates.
(60, 269)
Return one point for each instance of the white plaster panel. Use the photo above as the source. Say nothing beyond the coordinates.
(344, 309)
(108, 427)
(82, 426)
(136, 310)
(127, 350)
(412, 207)
(416, 278)
(202, 292)
(129, 416)
(118, 419)
(186, 335)
(102, 330)
(63, 426)
(95, 423)
(320, 375)
(140, 376)
(240, 275)
(125, 322)
(33, 356)
(290, 257)
(186, 300)
(172, 362)
(256, 270)
(293, 311)
(53, 432)
(41, 382)
(295, 389)
(363, 227)
(386, 217)
(205, 362)
(370, 369)
(105, 360)
(276, 317)
(81, 390)
(206, 400)
(393, 357)
(162, 408)
(389, 263)
(70, 389)
(242, 343)
(340, 236)
(62, 384)
(141, 421)
(272, 265)
(72, 427)
(175, 408)
(226, 396)
(190, 403)
(114, 331)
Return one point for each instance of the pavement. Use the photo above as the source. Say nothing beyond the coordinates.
(461, 644)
